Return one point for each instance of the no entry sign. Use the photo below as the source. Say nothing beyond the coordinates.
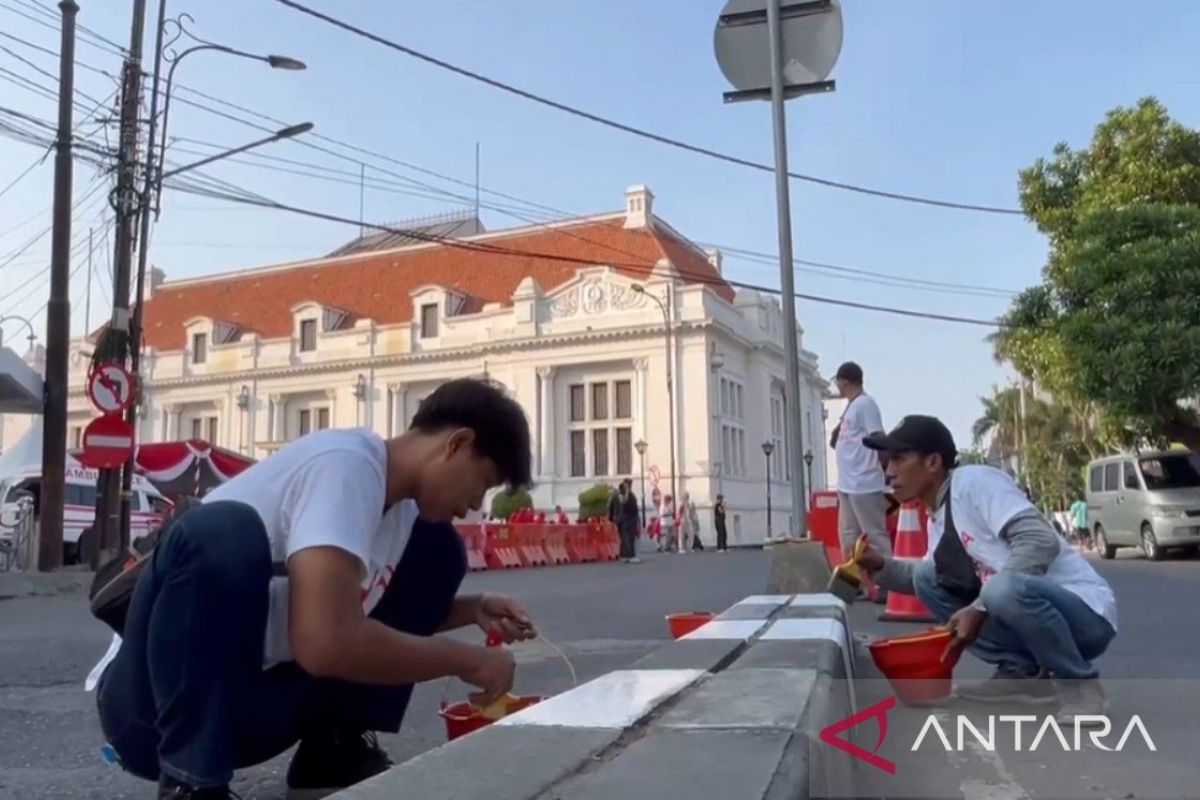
(110, 389)
(107, 442)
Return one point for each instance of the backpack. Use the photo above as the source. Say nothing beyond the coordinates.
(112, 588)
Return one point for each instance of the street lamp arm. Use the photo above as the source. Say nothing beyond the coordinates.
(285, 133)
(28, 324)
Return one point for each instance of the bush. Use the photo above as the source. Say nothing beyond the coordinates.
(505, 502)
(593, 502)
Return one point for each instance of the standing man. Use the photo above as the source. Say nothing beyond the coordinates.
(719, 522)
(1079, 521)
(862, 507)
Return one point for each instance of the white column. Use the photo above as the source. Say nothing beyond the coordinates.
(332, 394)
(640, 367)
(546, 425)
(168, 412)
(399, 393)
(277, 431)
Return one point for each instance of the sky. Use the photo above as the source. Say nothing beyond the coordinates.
(939, 98)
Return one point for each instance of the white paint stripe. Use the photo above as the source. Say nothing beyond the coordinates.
(740, 629)
(764, 600)
(818, 599)
(815, 628)
(109, 441)
(616, 700)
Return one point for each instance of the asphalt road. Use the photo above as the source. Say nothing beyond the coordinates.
(607, 616)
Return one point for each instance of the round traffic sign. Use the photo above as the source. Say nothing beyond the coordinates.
(107, 442)
(811, 43)
(110, 388)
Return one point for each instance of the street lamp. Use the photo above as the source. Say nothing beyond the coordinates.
(808, 459)
(152, 184)
(640, 445)
(768, 447)
(32, 336)
(637, 287)
(716, 360)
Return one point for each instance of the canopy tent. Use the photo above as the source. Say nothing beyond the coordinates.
(190, 467)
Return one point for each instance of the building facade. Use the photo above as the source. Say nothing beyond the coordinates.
(605, 329)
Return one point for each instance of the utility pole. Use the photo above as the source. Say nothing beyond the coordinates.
(58, 311)
(148, 202)
(125, 204)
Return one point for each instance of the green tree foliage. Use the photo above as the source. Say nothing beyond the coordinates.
(593, 502)
(506, 501)
(1113, 332)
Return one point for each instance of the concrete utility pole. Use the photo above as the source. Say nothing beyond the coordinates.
(58, 311)
(126, 203)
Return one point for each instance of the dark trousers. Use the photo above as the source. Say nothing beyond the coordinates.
(628, 535)
(721, 536)
(187, 693)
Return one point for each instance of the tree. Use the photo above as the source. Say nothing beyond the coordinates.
(998, 424)
(593, 502)
(1113, 331)
(506, 501)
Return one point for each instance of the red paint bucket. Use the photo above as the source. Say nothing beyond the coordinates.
(684, 622)
(463, 718)
(913, 666)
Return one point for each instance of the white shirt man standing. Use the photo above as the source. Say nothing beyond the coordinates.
(862, 506)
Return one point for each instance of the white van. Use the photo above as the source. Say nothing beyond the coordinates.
(79, 511)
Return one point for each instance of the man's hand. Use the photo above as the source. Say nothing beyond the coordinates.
(491, 669)
(505, 616)
(869, 559)
(964, 628)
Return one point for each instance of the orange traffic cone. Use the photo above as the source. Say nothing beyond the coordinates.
(911, 544)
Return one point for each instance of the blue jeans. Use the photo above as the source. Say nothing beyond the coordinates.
(187, 694)
(1032, 623)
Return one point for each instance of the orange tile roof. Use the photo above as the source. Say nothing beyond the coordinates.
(377, 286)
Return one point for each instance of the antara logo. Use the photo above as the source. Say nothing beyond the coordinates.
(1044, 729)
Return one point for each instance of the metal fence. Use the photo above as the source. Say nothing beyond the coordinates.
(17, 540)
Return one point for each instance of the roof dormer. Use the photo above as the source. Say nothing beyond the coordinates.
(639, 207)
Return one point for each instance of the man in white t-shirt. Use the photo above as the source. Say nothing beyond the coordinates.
(300, 603)
(862, 507)
(1007, 586)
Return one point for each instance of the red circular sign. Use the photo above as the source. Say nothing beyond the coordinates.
(110, 388)
(107, 442)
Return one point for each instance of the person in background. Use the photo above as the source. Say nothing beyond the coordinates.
(560, 516)
(694, 522)
(687, 530)
(627, 522)
(862, 507)
(1079, 523)
(719, 513)
(666, 520)
(996, 575)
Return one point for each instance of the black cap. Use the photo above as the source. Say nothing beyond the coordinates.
(917, 433)
(850, 372)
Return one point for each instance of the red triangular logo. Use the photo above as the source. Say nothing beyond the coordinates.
(878, 712)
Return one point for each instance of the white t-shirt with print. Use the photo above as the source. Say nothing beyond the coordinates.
(983, 500)
(326, 489)
(859, 470)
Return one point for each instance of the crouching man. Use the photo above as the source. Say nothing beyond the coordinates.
(996, 573)
(299, 603)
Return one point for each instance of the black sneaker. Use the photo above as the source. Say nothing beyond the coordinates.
(331, 762)
(170, 789)
(1010, 684)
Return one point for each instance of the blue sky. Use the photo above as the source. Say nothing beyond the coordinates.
(943, 98)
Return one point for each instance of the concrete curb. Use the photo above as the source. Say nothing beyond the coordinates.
(734, 709)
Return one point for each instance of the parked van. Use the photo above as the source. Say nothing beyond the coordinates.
(79, 511)
(1148, 500)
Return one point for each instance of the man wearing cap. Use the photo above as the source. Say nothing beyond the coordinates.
(1007, 586)
(862, 507)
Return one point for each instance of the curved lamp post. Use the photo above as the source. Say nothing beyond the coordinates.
(637, 287)
(768, 447)
(28, 324)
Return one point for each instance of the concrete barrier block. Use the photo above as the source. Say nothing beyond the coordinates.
(710, 655)
(741, 611)
(617, 700)
(698, 764)
(740, 630)
(815, 654)
(491, 764)
(744, 698)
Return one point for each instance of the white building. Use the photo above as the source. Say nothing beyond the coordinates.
(252, 359)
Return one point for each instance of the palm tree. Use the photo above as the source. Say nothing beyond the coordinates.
(997, 426)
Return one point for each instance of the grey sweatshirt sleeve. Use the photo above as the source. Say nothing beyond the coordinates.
(1032, 542)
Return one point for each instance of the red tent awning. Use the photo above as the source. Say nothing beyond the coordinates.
(168, 461)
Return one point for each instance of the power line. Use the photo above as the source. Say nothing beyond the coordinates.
(645, 267)
(630, 129)
(88, 36)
